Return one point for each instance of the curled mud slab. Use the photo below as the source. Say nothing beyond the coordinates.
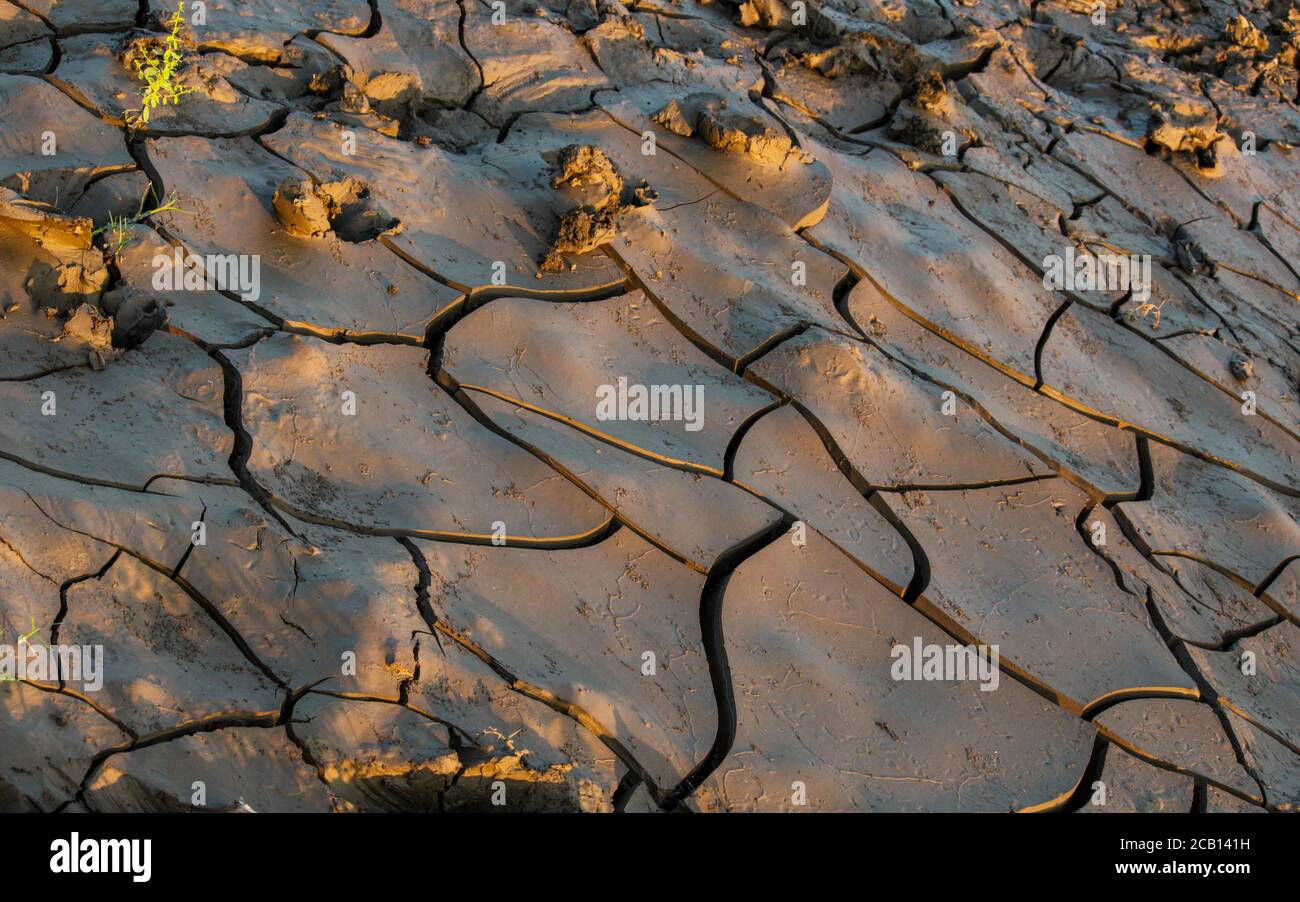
(614, 403)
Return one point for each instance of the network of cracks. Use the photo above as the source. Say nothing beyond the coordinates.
(357, 536)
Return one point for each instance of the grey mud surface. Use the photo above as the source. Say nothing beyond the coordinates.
(832, 216)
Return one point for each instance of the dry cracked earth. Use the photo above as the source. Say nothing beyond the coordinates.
(361, 538)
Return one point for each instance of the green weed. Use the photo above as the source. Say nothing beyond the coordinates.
(158, 73)
(116, 226)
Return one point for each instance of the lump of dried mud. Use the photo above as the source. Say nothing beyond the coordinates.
(343, 207)
(587, 227)
(1241, 367)
(301, 208)
(136, 315)
(1242, 32)
(87, 323)
(1191, 257)
(917, 132)
(1185, 128)
(767, 13)
(579, 165)
(88, 327)
(74, 288)
(927, 91)
(725, 129)
(123, 318)
(582, 230)
(675, 119)
(744, 134)
(68, 285)
(923, 114)
(860, 48)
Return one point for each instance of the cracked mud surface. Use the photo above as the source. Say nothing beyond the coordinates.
(361, 537)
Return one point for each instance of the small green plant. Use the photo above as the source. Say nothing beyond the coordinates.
(22, 640)
(158, 72)
(117, 225)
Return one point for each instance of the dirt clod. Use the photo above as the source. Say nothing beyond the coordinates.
(590, 225)
(343, 208)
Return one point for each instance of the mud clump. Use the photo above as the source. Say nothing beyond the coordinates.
(582, 230)
(1186, 128)
(136, 315)
(301, 209)
(1241, 367)
(845, 48)
(922, 115)
(767, 13)
(88, 326)
(1242, 32)
(673, 118)
(580, 165)
(122, 318)
(927, 91)
(588, 226)
(1191, 256)
(726, 129)
(917, 132)
(743, 134)
(74, 286)
(354, 214)
(68, 285)
(344, 208)
(106, 337)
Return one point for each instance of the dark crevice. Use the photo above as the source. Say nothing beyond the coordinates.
(623, 793)
(1210, 696)
(1082, 794)
(423, 602)
(189, 549)
(61, 617)
(733, 444)
(1207, 692)
(769, 344)
(920, 560)
(56, 55)
(1200, 797)
(1146, 470)
(1042, 342)
(1085, 533)
(460, 32)
(242, 450)
(376, 23)
(1273, 575)
(840, 298)
(711, 602)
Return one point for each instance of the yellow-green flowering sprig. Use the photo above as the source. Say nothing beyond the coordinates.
(158, 72)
